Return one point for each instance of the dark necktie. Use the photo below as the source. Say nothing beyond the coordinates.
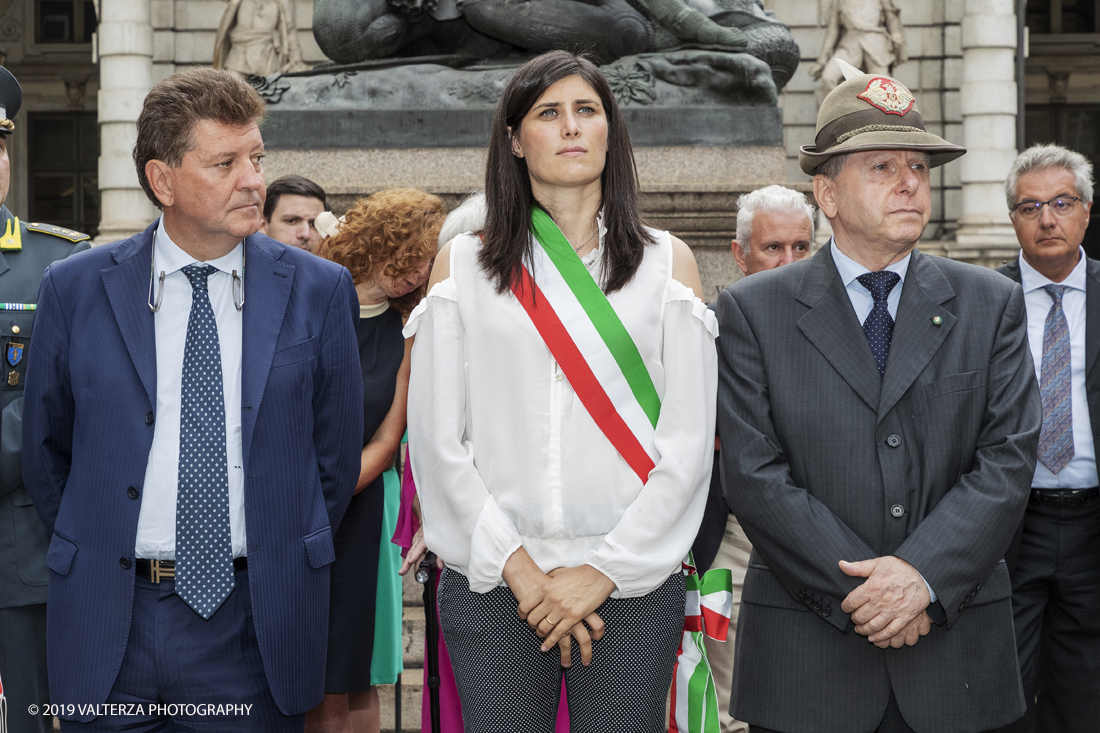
(1056, 436)
(204, 551)
(879, 326)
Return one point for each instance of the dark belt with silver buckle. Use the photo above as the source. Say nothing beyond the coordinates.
(158, 570)
(1065, 497)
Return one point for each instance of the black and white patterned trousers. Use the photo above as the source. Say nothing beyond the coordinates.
(508, 686)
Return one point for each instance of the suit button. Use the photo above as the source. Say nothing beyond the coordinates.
(893, 441)
(124, 562)
(132, 492)
(818, 606)
(801, 595)
(149, 418)
(897, 510)
(828, 610)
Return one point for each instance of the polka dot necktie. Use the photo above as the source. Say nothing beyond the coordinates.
(204, 552)
(1056, 435)
(879, 326)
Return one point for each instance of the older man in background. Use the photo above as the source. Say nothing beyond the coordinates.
(775, 227)
(1054, 559)
(291, 209)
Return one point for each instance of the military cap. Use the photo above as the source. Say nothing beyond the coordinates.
(11, 99)
(869, 112)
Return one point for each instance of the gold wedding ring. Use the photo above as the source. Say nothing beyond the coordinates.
(552, 623)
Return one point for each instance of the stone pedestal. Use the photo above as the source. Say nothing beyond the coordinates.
(125, 37)
(988, 105)
(690, 191)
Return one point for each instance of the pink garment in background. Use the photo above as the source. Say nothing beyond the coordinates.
(450, 708)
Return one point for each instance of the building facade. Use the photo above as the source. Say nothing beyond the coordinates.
(85, 66)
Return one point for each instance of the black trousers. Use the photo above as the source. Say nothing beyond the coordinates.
(1054, 562)
(507, 685)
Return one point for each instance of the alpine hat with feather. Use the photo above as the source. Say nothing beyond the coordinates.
(871, 112)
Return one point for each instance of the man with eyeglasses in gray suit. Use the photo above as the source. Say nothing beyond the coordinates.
(1054, 558)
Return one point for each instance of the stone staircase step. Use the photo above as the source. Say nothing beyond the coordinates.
(411, 695)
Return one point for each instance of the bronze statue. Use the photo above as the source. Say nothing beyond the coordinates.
(351, 31)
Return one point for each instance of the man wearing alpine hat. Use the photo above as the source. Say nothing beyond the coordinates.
(886, 416)
(25, 251)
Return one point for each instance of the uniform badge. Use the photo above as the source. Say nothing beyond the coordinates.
(889, 96)
(13, 238)
(13, 378)
(14, 352)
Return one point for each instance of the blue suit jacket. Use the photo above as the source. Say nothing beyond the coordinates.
(88, 424)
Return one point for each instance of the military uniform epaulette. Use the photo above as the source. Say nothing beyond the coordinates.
(69, 234)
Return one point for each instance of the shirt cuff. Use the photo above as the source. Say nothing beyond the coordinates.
(931, 593)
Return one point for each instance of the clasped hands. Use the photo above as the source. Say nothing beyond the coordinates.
(559, 606)
(889, 608)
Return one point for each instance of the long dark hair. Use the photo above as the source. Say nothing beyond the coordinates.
(507, 236)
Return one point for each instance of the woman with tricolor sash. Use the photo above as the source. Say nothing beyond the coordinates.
(561, 415)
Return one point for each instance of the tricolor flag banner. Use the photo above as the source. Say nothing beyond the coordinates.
(708, 607)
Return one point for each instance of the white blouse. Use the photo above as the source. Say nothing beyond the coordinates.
(505, 455)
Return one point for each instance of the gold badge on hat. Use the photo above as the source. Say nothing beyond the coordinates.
(887, 95)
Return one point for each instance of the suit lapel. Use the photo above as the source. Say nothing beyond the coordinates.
(267, 285)
(831, 326)
(127, 286)
(917, 336)
(1092, 313)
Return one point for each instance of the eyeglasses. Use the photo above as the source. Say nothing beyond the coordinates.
(1062, 206)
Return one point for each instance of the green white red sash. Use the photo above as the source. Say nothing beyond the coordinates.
(709, 605)
(601, 361)
(591, 345)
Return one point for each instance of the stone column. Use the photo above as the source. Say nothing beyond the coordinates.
(988, 106)
(125, 45)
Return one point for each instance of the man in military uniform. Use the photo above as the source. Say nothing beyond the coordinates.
(26, 249)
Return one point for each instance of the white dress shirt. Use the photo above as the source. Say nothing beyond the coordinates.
(505, 455)
(863, 302)
(156, 530)
(1080, 472)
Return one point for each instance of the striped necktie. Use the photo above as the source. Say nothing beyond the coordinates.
(1056, 436)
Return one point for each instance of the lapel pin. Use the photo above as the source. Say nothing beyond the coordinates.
(937, 321)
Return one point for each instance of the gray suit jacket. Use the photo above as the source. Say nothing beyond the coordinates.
(23, 539)
(824, 461)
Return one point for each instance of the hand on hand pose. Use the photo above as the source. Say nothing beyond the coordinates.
(555, 605)
(889, 607)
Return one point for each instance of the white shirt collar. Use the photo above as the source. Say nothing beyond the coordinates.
(1032, 279)
(849, 269)
(169, 258)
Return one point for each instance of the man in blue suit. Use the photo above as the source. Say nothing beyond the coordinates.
(191, 439)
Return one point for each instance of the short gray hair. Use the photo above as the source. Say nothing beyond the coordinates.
(469, 216)
(770, 198)
(1043, 157)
